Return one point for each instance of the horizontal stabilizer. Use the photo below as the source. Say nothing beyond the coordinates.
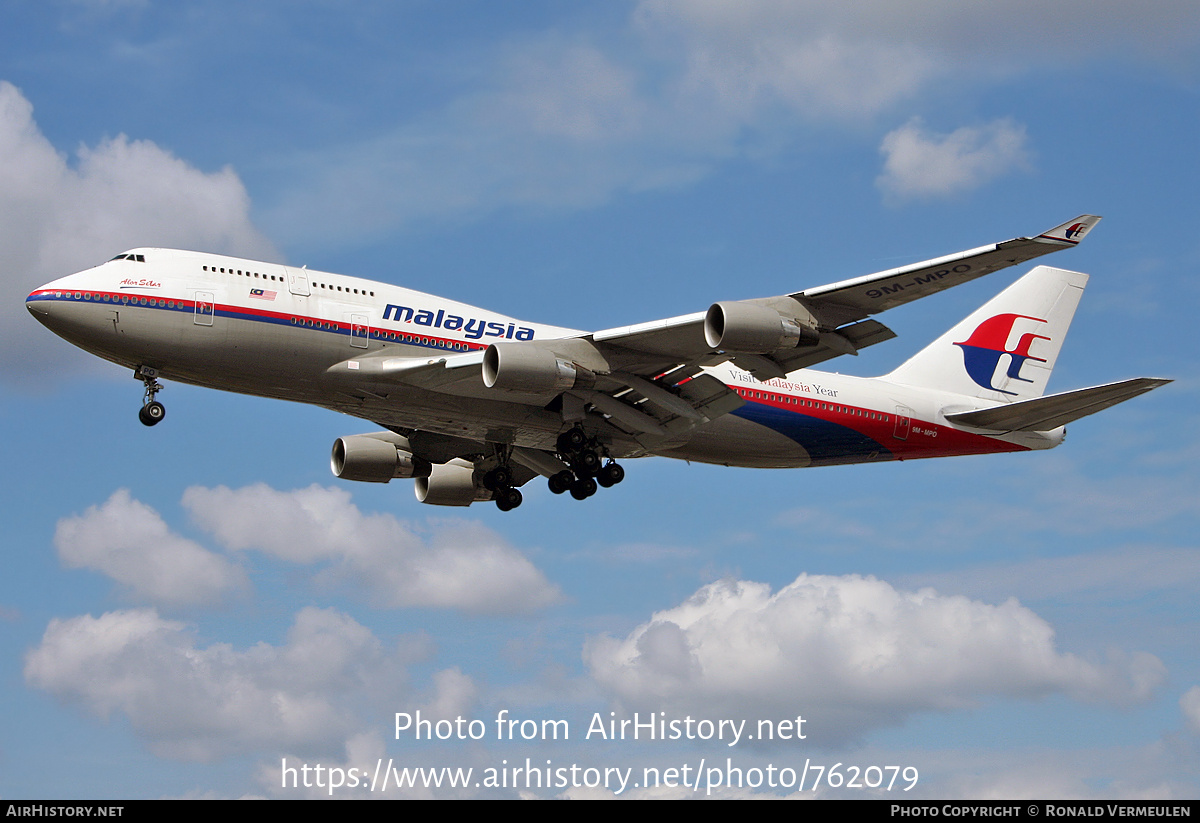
(1046, 413)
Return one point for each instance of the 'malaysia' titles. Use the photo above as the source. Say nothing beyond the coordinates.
(471, 327)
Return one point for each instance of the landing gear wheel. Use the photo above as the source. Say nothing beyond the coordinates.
(583, 488)
(508, 499)
(561, 482)
(588, 462)
(571, 440)
(610, 475)
(497, 478)
(152, 413)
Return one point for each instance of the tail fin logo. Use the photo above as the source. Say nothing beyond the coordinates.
(988, 343)
(1076, 232)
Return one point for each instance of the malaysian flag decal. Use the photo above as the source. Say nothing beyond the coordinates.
(263, 294)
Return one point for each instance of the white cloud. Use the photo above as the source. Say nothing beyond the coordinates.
(1157, 30)
(447, 564)
(187, 701)
(457, 565)
(850, 654)
(557, 122)
(128, 541)
(862, 57)
(922, 164)
(562, 124)
(557, 125)
(741, 59)
(567, 90)
(57, 217)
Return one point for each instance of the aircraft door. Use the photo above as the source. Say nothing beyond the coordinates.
(206, 308)
(298, 282)
(360, 330)
(903, 422)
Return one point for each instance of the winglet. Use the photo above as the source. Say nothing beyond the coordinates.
(1072, 231)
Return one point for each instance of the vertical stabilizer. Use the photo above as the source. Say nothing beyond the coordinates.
(1006, 350)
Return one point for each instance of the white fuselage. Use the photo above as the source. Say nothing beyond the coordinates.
(277, 331)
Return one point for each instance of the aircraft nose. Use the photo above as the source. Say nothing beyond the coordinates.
(48, 300)
(38, 303)
(58, 305)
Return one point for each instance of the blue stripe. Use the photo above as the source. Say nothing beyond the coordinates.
(827, 443)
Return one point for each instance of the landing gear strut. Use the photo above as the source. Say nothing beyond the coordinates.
(499, 481)
(152, 412)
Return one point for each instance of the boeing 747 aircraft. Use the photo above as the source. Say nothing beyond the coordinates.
(473, 404)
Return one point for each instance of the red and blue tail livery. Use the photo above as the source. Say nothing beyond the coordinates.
(472, 405)
(988, 344)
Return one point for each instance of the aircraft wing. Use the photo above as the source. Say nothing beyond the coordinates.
(855, 299)
(834, 315)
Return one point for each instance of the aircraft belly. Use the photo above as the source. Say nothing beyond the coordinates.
(735, 441)
(826, 442)
(479, 420)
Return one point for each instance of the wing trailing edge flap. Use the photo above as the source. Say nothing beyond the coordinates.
(683, 341)
(846, 340)
(1052, 411)
(643, 410)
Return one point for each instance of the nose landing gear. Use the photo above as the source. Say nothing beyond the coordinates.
(152, 412)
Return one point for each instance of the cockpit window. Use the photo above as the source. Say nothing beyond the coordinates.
(137, 258)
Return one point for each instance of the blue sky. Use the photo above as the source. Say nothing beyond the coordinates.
(186, 606)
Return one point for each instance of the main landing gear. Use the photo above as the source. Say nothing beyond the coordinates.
(588, 470)
(499, 482)
(152, 412)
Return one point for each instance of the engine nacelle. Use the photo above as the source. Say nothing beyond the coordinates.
(531, 369)
(451, 484)
(369, 459)
(746, 327)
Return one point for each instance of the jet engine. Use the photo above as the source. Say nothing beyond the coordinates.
(754, 329)
(368, 458)
(451, 484)
(525, 368)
